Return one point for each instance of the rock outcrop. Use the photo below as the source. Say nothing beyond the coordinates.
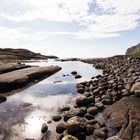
(19, 78)
(134, 50)
(7, 67)
(123, 118)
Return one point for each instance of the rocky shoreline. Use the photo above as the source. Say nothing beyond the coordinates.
(108, 107)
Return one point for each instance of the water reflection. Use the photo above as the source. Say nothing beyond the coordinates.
(23, 114)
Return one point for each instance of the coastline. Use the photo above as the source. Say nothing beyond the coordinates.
(98, 99)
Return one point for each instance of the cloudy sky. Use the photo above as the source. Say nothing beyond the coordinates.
(70, 28)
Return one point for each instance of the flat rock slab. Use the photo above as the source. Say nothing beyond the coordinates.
(19, 78)
(123, 118)
(7, 67)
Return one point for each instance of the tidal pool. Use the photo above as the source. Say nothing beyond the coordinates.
(23, 114)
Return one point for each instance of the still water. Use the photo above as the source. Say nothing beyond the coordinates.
(23, 114)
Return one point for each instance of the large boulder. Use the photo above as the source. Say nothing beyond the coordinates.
(125, 118)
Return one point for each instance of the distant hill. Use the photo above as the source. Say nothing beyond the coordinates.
(21, 54)
(134, 50)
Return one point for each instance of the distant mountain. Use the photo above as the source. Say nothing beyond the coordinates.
(21, 54)
(134, 50)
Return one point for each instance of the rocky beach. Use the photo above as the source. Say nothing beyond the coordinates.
(106, 107)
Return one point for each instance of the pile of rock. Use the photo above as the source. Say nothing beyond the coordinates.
(121, 78)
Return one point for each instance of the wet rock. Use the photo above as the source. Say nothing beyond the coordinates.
(92, 110)
(69, 114)
(49, 121)
(98, 76)
(80, 90)
(89, 116)
(77, 76)
(99, 134)
(75, 125)
(74, 72)
(56, 118)
(105, 97)
(69, 137)
(89, 130)
(65, 108)
(60, 128)
(114, 93)
(107, 101)
(2, 98)
(91, 100)
(44, 128)
(99, 105)
(81, 111)
(82, 101)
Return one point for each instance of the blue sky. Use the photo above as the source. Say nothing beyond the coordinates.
(70, 28)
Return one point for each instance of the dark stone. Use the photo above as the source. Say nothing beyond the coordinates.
(49, 121)
(89, 116)
(99, 105)
(89, 130)
(60, 128)
(82, 101)
(77, 76)
(81, 111)
(56, 118)
(92, 110)
(65, 108)
(74, 72)
(99, 134)
(107, 101)
(44, 128)
(80, 90)
(69, 114)
(75, 125)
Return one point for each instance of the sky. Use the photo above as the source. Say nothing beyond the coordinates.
(70, 28)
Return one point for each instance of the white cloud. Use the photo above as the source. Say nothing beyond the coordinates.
(101, 18)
